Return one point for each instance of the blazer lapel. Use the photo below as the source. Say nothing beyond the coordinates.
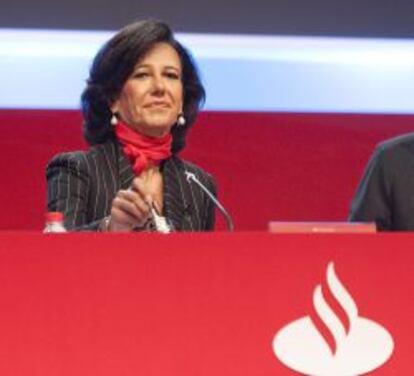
(176, 198)
(126, 175)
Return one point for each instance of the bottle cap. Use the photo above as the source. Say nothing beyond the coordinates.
(54, 217)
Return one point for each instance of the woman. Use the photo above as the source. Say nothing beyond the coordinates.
(141, 98)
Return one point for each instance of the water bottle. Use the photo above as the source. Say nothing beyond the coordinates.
(54, 223)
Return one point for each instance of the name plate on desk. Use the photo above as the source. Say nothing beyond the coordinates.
(321, 227)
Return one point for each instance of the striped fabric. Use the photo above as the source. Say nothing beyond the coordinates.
(82, 185)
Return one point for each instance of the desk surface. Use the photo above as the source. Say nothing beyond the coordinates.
(187, 304)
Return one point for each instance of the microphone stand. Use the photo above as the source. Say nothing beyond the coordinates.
(191, 177)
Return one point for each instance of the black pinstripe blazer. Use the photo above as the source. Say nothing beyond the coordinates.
(82, 185)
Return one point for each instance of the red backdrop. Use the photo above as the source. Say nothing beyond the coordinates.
(269, 166)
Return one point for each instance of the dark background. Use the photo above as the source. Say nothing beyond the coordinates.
(369, 18)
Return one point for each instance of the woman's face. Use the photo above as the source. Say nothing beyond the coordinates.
(152, 97)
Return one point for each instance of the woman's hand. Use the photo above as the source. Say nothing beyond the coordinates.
(130, 208)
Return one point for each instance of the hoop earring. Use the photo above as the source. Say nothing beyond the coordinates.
(114, 119)
(180, 120)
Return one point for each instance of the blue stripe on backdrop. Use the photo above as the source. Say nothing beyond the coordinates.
(47, 70)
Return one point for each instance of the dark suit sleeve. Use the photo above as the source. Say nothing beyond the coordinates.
(372, 200)
(68, 190)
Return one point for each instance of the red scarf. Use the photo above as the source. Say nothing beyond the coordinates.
(142, 150)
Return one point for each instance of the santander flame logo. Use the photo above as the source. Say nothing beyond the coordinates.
(337, 342)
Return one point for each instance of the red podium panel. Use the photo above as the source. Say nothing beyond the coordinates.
(188, 304)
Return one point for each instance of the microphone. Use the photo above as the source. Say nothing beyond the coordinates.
(191, 177)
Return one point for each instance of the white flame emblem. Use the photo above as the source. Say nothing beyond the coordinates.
(341, 343)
